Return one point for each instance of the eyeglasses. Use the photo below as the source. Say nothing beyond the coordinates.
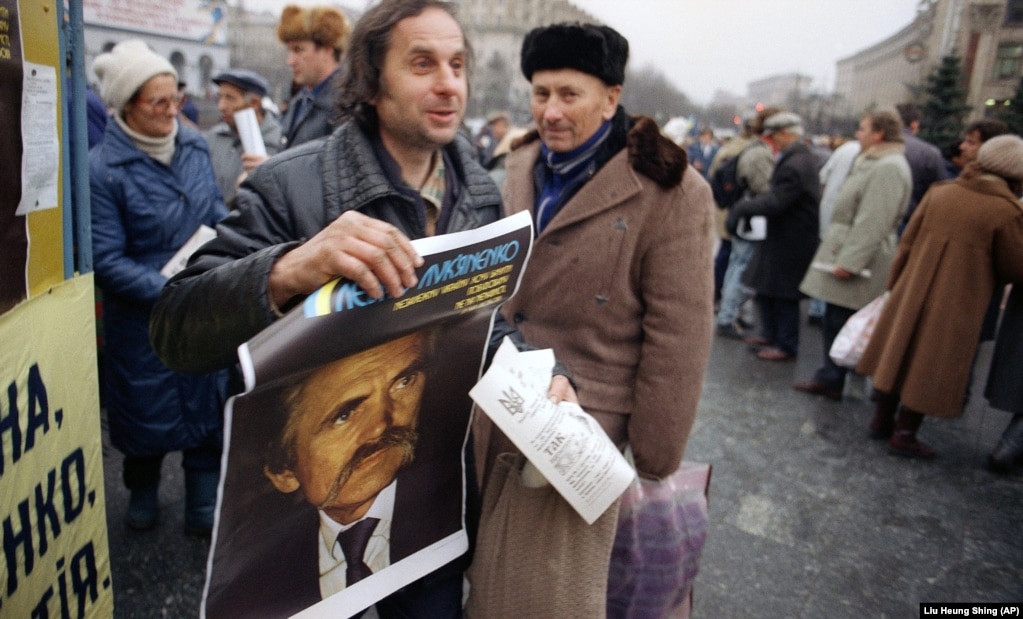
(162, 104)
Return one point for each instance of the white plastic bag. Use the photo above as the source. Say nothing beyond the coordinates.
(852, 339)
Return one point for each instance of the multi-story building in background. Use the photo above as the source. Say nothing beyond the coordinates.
(191, 34)
(784, 90)
(986, 34)
(203, 37)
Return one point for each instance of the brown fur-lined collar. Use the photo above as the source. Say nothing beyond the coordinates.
(650, 152)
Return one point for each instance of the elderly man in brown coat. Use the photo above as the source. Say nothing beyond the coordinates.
(620, 280)
(965, 238)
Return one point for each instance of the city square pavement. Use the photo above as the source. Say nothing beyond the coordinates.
(808, 517)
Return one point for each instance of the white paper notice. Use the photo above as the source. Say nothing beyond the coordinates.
(39, 139)
(829, 267)
(248, 131)
(180, 259)
(753, 230)
(563, 442)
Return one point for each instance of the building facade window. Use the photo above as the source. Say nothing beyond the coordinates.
(1009, 61)
(1014, 13)
(177, 59)
(205, 73)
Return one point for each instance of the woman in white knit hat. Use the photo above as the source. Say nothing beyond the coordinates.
(964, 240)
(152, 187)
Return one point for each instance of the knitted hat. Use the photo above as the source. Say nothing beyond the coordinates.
(323, 25)
(125, 69)
(1002, 155)
(597, 50)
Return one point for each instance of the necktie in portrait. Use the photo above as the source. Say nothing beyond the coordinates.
(353, 544)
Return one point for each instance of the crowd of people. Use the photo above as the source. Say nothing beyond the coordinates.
(884, 214)
(371, 152)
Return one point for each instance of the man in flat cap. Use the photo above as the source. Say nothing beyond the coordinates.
(780, 260)
(620, 280)
(239, 89)
(753, 167)
(315, 38)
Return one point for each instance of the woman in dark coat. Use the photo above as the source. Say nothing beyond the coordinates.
(1004, 386)
(965, 238)
(152, 187)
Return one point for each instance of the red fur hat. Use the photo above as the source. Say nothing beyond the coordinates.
(323, 25)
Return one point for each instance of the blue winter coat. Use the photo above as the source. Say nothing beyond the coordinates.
(142, 212)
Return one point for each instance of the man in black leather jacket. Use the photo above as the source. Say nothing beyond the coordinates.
(346, 206)
(342, 206)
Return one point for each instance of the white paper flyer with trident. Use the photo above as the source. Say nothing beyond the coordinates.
(562, 441)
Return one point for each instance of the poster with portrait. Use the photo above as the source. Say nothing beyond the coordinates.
(344, 470)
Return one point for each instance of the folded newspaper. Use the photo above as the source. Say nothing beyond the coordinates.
(179, 260)
(249, 132)
(829, 267)
(562, 441)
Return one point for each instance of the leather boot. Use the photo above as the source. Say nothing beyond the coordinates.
(200, 501)
(141, 476)
(144, 508)
(1009, 448)
(903, 441)
(883, 423)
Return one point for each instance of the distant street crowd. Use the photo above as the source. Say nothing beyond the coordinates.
(886, 214)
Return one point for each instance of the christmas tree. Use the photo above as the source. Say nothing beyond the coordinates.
(945, 103)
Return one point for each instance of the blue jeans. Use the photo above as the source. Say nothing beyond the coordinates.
(816, 308)
(733, 292)
(721, 266)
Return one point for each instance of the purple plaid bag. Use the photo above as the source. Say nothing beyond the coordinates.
(662, 526)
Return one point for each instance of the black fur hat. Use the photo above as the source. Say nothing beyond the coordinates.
(597, 50)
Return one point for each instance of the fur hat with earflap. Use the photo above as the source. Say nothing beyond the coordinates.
(125, 69)
(597, 50)
(323, 25)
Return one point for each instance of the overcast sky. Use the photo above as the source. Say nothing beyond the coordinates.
(704, 45)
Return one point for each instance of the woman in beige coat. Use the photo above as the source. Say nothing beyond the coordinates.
(965, 238)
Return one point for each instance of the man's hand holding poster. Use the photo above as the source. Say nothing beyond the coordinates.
(344, 471)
